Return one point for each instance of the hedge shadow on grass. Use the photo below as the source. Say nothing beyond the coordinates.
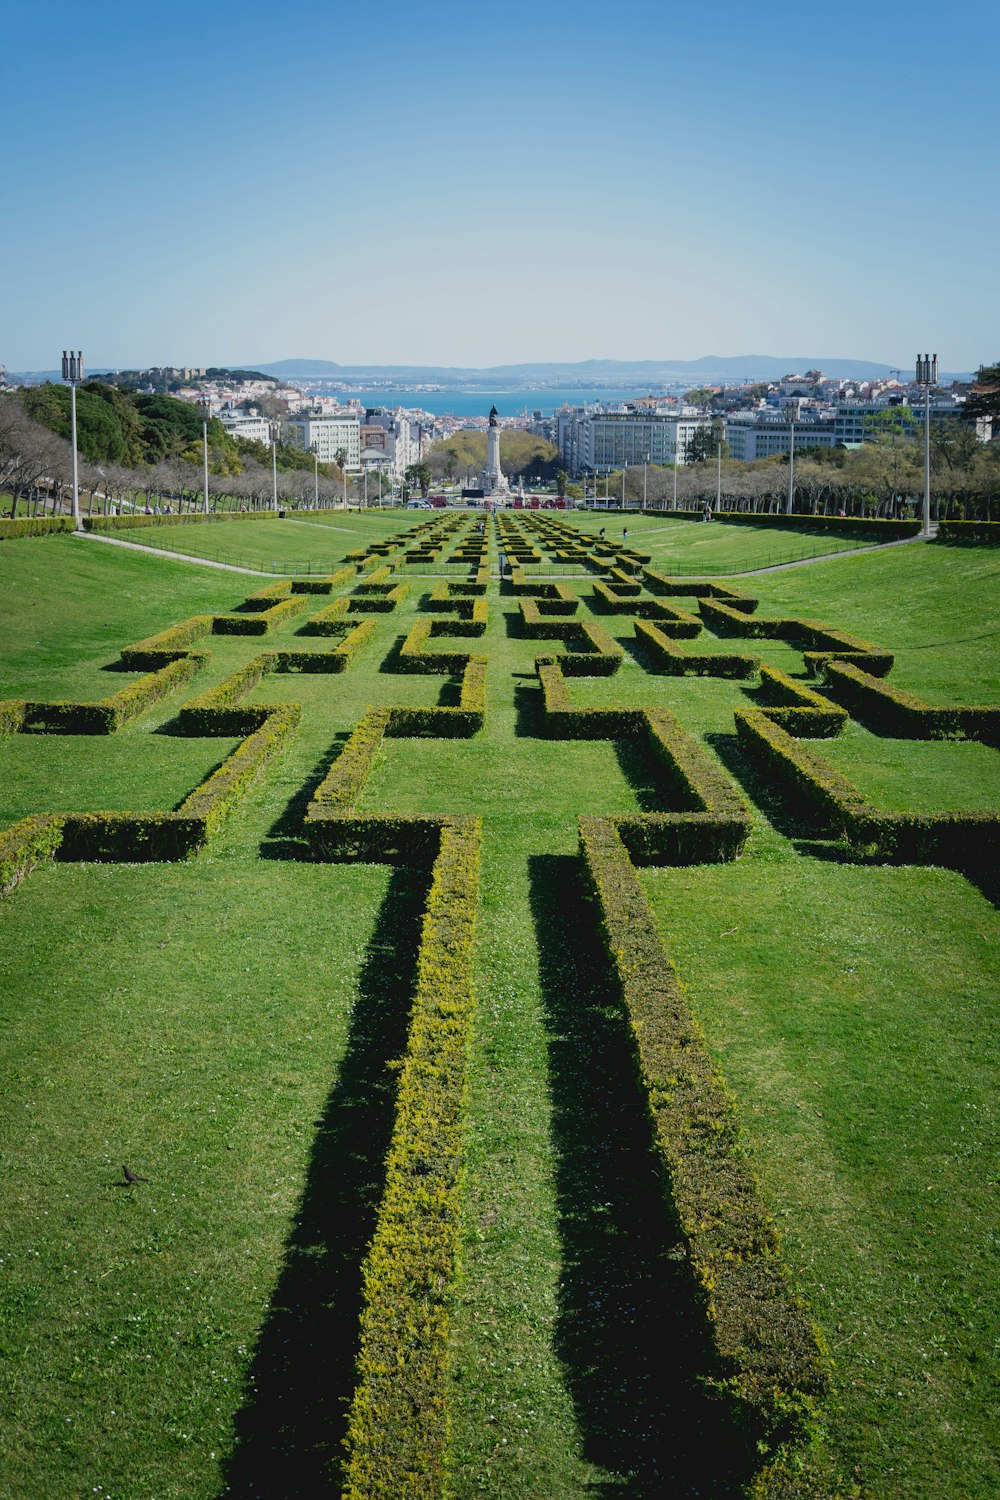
(289, 821)
(290, 1429)
(795, 822)
(529, 713)
(630, 1333)
(646, 777)
(392, 661)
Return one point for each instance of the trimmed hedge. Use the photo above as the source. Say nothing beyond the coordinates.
(133, 838)
(345, 780)
(108, 714)
(814, 784)
(799, 709)
(270, 594)
(22, 526)
(963, 840)
(261, 623)
(565, 722)
(878, 663)
(822, 642)
(674, 621)
(215, 712)
(151, 652)
(716, 821)
(473, 624)
(414, 657)
(699, 588)
(12, 711)
(871, 529)
(452, 723)
(398, 1427)
(671, 659)
(893, 711)
(336, 660)
(969, 533)
(214, 799)
(26, 845)
(770, 1364)
(186, 518)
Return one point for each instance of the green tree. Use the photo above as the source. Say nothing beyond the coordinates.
(700, 396)
(703, 445)
(984, 402)
(419, 474)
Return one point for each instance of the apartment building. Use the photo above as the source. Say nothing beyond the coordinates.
(329, 434)
(601, 441)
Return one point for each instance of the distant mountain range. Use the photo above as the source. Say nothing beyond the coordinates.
(714, 368)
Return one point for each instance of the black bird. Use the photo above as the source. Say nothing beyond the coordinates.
(131, 1176)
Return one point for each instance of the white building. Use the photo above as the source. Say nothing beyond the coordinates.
(330, 434)
(405, 437)
(764, 434)
(601, 441)
(242, 424)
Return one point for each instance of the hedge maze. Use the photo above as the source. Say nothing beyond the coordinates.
(769, 1370)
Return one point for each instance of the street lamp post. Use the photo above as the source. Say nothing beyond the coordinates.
(72, 373)
(645, 466)
(791, 412)
(274, 430)
(927, 375)
(676, 461)
(719, 431)
(315, 454)
(204, 412)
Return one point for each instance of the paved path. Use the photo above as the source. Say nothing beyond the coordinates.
(803, 562)
(186, 557)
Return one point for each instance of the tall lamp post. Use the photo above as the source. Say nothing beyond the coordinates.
(204, 412)
(927, 375)
(791, 411)
(719, 436)
(315, 454)
(274, 430)
(645, 466)
(72, 373)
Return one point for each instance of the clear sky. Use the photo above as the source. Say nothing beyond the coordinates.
(463, 183)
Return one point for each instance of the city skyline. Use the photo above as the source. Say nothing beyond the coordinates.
(482, 187)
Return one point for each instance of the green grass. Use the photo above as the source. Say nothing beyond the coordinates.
(691, 546)
(850, 1009)
(304, 544)
(225, 1026)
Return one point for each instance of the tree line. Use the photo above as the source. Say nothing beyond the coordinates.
(142, 452)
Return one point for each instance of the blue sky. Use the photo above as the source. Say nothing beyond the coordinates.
(479, 184)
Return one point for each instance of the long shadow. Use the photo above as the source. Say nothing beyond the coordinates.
(529, 720)
(289, 821)
(630, 1333)
(793, 820)
(290, 1429)
(391, 661)
(645, 777)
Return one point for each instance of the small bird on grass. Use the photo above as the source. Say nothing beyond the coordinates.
(131, 1176)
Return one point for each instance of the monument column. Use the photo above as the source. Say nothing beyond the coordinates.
(492, 480)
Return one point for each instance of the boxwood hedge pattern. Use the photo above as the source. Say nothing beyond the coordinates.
(770, 1368)
(398, 1427)
(770, 1363)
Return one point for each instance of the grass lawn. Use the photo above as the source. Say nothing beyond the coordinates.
(690, 546)
(300, 544)
(228, 1026)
